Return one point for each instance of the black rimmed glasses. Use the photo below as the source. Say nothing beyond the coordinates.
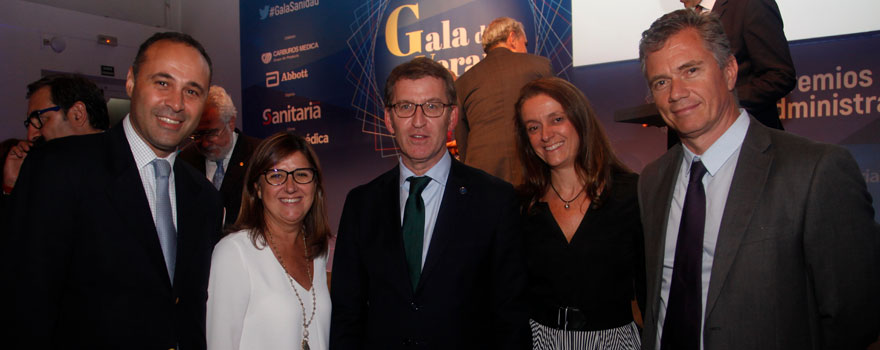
(35, 118)
(277, 177)
(429, 109)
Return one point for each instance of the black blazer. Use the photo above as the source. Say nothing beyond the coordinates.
(766, 72)
(470, 293)
(86, 259)
(230, 189)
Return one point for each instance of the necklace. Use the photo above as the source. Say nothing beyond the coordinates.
(567, 202)
(305, 341)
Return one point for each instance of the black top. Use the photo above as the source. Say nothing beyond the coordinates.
(602, 267)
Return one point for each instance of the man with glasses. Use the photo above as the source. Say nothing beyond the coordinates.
(487, 93)
(220, 151)
(428, 254)
(59, 105)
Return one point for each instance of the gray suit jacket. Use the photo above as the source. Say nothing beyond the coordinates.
(796, 261)
(487, 93)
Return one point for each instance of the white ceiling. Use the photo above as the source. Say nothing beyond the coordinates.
(155, 13)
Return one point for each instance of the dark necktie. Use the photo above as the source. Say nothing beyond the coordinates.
(681, 328)
(414, 227)
(218, 175)
(164, 220)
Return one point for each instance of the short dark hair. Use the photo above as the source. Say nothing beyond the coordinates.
(595, 161)
(418, 68)
(67, 89)
(316, 225)
(174, 37)
(708, 27)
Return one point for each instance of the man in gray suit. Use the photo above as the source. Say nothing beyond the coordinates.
(754, 238)
(487, 93)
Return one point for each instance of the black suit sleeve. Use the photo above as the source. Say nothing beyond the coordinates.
(37, 250)
(841, 249)
(772, 71)
(348, 291)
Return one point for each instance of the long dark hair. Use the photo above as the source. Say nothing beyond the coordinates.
(316, 226)
(595, 160)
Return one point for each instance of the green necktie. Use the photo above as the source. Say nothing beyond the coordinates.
(414, 227)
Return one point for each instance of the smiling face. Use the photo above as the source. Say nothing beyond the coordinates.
(551, 134)
(286, 205)
(422, 140)
(693, 94)
(168, 94)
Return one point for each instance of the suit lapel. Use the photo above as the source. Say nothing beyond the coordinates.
(129, 198)
(749, 179)
(453, 205)
(720, 7)
(389, 231)
(236, 167)
(656, 242)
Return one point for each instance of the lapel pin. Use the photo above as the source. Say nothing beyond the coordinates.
(462, 190)
(240, 163)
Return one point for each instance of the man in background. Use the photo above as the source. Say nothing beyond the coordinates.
(766, 72)
(487, 93)
(220, 151)
(59, 105)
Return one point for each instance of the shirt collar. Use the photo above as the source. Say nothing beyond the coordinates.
(724, 147)
(707, 5)
(142, 153)
(232, 148)
(438, 173)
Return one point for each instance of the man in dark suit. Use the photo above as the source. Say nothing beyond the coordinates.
(754, 238)
(487, 93)
(766, 72)
(112, 238)
(220, 151)
(428, 255)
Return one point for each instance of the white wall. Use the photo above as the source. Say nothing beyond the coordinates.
(22, 54)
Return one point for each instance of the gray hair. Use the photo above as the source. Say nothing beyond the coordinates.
(499, 30)
(708, 27)
(218, 98)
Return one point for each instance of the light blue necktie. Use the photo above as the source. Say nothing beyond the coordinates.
(218, 175)
(164, 216)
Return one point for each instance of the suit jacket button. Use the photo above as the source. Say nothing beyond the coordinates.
(414, 306)
(177, 300)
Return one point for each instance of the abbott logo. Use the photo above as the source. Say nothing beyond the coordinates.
(266, 57)
(272, 79)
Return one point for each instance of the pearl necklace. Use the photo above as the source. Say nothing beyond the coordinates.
(305, 341)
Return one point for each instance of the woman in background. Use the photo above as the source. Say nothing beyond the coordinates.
(584, 247)
(268, 286)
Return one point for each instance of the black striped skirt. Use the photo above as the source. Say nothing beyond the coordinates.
(621, 338)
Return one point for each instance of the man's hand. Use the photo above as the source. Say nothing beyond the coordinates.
(13, 162)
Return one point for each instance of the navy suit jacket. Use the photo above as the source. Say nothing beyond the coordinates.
(86, 259)
(470, 293)
(233, 180)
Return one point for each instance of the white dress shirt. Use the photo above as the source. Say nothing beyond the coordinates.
(143, 157)
(211, 166)
(432, 195)
(720, 161)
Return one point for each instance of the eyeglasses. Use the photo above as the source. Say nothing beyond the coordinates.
(200, 134)
(277, 177)
(35, 118)
(429, 109)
